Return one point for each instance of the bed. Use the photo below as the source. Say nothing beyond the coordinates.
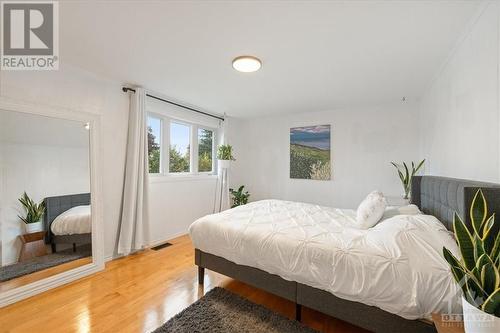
(329, 290)
(67, 220)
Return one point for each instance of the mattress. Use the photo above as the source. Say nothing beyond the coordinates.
(76, 220)
(397, 265)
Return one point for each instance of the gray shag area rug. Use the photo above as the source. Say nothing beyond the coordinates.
(221, 311)
(43, 262)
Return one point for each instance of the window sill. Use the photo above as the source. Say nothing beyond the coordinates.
(158, 178)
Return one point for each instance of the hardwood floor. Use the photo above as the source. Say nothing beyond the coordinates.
(27, 279)
(139, 293)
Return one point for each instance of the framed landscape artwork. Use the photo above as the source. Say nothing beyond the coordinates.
(310, 152)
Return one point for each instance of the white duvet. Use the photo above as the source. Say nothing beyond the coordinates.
(396, 265)
(76, 220)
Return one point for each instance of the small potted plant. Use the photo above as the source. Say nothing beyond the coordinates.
(477, 271)
(34, 214)
(405, 175)
(240, 197)
(225, 156)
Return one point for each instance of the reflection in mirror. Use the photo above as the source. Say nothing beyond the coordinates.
(45, 219)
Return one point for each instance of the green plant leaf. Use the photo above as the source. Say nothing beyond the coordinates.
(489, 278)
(407, 173)
(465, 243)
(395, 165)
(478, 247)
(488, 237)
(456, 267)
(420, 165)
(478, 211)
(492, 303)
(474, 288)
(401, 177)
(495, 251)
(476, 271)
(482, 260)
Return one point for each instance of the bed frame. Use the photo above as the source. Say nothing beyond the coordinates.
(54, 206)
(436, 196)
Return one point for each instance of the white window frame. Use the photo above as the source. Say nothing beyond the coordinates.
(193, 149)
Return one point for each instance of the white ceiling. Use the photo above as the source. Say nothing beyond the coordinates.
(317, 55)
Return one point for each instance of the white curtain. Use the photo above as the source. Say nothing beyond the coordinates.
(134, 222)
(222, 199)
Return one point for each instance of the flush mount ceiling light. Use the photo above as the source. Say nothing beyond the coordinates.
(247, 64)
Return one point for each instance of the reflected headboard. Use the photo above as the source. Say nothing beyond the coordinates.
(441, 197)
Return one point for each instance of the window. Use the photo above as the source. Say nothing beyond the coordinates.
(205, 150)
(154, 146)
(178, 147)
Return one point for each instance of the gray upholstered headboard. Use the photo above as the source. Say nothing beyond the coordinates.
(55, 206)
(441, 197)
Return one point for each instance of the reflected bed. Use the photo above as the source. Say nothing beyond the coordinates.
(57, 205)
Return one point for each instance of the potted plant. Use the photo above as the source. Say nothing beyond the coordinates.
(239, 197)
(225, 156)
(405, 175)
(477, 272)
(34, 214)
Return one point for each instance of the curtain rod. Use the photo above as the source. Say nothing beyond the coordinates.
(126, 89)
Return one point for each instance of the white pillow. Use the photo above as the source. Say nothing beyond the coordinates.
(401, 210)
(371, 210)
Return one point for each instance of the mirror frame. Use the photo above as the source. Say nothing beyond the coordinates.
(97, 264)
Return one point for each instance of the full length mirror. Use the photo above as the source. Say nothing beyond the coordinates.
(45, 199)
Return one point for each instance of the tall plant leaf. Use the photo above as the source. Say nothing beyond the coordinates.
(483, 260)
(465, 243)
(488, 237)
(478, 247)
(407, 173)
(456, 267)
(419, 165)
(478, 211)
(492, 304)
(495, 251)
(489, 278)
(475, 290)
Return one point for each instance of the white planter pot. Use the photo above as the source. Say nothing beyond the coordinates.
(33, 227)
(224, 164)
(477, 321)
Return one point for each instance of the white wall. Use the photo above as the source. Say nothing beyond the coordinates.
(364, 141)
(175, 204)
(459, 114)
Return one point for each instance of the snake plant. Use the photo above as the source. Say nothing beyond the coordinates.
(477, 272)
(34, 211)
(405, 175)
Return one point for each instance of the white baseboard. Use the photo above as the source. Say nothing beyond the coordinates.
(150, 245)
(110, 257)
(166, 239)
